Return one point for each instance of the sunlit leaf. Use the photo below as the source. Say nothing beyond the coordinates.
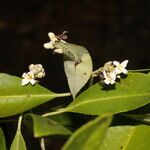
(127, 138)
(15, 98)
(131, 93)
(89, 136)
(18, 142)
(77, 65)
(2, 140)
(44, 126)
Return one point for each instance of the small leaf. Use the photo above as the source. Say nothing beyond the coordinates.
(77, 64)
(15, 98)
(18, 142)
(89, 136)
(133, 92)
(44, 126)
(127, 138)
(2, 140)
(141, 117)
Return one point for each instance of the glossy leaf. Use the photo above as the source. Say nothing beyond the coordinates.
(131, 93)
(77, 65)
(2, 140)
(15, 98)
(127, 138)
(44, 126)
(89, 136)
(18, 142)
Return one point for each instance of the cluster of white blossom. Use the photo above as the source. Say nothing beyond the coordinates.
(112, 70)
(35, 72)
(53, 40)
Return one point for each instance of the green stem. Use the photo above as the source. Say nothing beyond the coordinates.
(54, 113)
(63, 94)
(139, 70)
(19, 123)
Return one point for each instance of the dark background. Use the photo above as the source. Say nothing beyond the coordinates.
(110, 30)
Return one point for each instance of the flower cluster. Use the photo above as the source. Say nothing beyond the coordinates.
(112, 70)
(35, 72)
(53, 40)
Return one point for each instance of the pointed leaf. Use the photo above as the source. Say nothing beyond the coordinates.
(44, 126)
(77, 64)
(18, 142)
(131, 93)
(127, 138)
(2, 140)
(89, 136)
(15, 98)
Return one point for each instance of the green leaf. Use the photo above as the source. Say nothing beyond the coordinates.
(15, 98)
(44, 126)
(127, 138)
(77, 64)
(141, 117)
(89, 136)
(131, 93)
(18, 142)
(64, 119)
(2, 140)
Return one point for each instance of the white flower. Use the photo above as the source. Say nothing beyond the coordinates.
(120, 68)
(28, 78)
(109, 77)
(59, 51)
(52, 37)
(52, 44)
(49, 45)
(37, 70)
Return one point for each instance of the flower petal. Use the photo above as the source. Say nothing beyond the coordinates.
(116, 63)
(124, 71)
(59, 51)
(48, 45)
(32, 81)
(52, 37)
(124, 63)
(24, 82)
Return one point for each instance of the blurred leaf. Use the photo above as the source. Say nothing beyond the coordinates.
(127, 138)
(44, 126)
(18, 142)
(89, 136)
(77, 65)
(133, 92)
(15, 98)
(141, 117)
(2, 140)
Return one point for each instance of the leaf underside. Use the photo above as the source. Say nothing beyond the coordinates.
(77, 65)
